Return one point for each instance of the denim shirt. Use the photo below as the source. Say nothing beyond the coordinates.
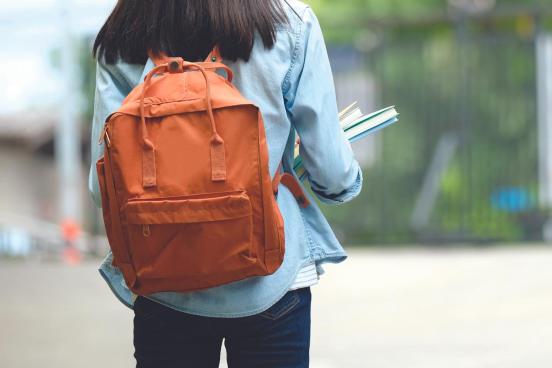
(292, 84)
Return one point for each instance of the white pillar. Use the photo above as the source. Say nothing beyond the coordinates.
(67, 148)
(544, 102)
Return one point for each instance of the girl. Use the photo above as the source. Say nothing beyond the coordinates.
(277, 52)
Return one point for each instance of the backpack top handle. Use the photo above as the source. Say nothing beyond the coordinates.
(212, 61)
(218, 155)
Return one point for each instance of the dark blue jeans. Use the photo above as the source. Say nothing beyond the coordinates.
(276, 338)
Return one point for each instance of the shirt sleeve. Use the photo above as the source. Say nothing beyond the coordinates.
(111, 90)
(309, 92)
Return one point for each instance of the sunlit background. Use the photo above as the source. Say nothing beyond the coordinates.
(450, 259)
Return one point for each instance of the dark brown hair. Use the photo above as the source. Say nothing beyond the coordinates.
(187, 28)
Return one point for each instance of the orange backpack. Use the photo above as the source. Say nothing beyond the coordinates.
(188, 202)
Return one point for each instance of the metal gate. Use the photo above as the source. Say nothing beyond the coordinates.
(463, 162)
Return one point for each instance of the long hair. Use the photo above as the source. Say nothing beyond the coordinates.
(187, 28)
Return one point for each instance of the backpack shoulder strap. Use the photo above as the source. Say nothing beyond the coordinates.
(162, 58)
(214, 56)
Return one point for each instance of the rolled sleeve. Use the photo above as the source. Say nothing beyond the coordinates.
(347, 195)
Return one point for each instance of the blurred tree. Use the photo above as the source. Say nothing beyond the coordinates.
(476, 80)
(345, 20)
(88, 81)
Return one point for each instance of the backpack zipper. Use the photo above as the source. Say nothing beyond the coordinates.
(104, 137)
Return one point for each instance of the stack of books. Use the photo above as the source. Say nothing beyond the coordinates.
(356, 125)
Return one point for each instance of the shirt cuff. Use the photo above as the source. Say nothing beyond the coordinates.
(343, 197)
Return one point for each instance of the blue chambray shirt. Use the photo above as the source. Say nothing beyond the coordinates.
(293, 86)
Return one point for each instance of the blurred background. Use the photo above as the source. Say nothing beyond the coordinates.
(450, 235)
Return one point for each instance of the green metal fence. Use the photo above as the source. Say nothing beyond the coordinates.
(462, 164)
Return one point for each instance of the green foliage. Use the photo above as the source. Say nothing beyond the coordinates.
(88, 81)
(345, 21)
(474, 81)
(372, 9)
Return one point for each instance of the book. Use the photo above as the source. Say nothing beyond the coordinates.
(356, 126)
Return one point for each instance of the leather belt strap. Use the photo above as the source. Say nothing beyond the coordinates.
(292, 184)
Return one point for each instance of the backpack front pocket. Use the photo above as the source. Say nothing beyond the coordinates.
(198, 235)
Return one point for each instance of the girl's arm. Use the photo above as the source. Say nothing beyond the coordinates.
(334, 174)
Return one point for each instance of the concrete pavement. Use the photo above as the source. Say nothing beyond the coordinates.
(415, 308)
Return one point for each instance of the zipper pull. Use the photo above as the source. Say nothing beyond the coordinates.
(146, 231)
(104, 137)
